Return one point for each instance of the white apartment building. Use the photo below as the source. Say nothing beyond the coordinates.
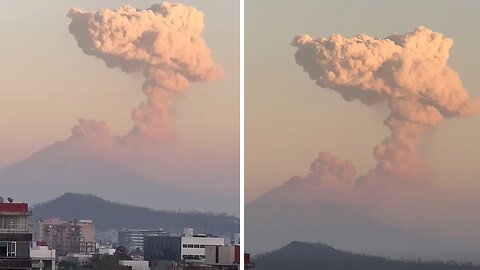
(193, 247)
(189, 246)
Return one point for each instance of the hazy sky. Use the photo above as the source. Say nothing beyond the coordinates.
(48, 83)
(289, 119)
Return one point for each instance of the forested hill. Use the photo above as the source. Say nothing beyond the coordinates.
(110, 215)
(314, 256)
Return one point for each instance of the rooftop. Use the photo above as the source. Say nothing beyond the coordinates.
(14, 208)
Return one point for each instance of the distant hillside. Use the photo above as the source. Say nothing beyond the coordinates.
(305, 256)
(72, 166)
(111, 215)
(276, 218)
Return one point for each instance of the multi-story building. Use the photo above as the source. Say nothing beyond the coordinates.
(189, 246)
(133, 239)
(224, 257)
(67, 237)
(87, 230)
(15, 236)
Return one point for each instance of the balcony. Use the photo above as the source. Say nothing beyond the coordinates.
(14, 224)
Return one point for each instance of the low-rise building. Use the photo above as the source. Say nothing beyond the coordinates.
(135, 265)
(106, 251)
(42, 257)
(137, 254)
(77, 258)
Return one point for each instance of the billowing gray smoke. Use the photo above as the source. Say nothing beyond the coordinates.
(407, 71)
(163, 42)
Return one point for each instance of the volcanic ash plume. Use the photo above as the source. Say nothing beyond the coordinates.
(409, 71)
(327, 166)
(91, 130)
(164, 43)
(92, 138)
(330, 179)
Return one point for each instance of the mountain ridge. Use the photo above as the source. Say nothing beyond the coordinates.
(276, 218)
(112, 215)
(68, 166)
(303, 255)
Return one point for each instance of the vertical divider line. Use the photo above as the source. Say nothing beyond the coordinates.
(242, 148)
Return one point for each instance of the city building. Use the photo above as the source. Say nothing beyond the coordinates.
(107, 237)
(225, 257)
(133, 239)
(135, 265)
(106, 251)
(189, 246)
(87, 230)
(42, 257)
(189, 265)
(15, 236)
(77, 258)
(137, 254)
(67, 237)
(248, 264)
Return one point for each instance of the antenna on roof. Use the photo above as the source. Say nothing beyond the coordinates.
(10, 200)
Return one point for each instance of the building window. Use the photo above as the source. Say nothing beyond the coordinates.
(202, 246)
(196, 246)
(185, 245)
(190, 246)
(11, 249)
(3, 249)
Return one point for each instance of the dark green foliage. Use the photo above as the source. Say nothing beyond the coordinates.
(306, 256)
(110, 215)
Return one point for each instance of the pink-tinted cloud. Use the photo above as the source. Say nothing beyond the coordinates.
(330, 179)
(163, 42)
(407, 71)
